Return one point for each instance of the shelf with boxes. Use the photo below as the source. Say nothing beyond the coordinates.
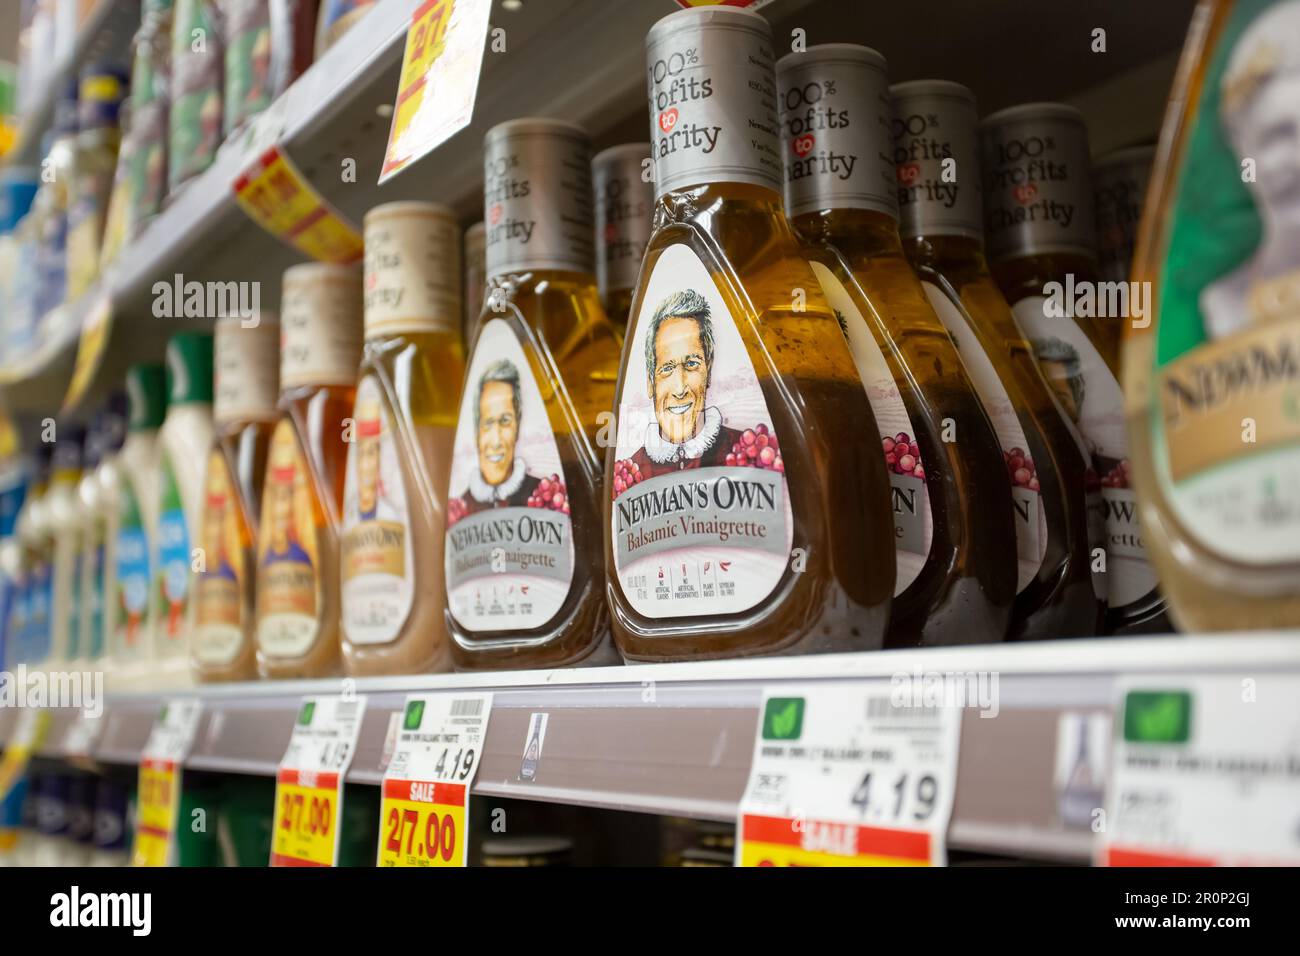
(678, 739)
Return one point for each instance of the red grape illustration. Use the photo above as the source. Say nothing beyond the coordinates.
(757, 448)
(626, 474)
(551, 494)
(1021, 469)
(1117, 477)
(902, 455)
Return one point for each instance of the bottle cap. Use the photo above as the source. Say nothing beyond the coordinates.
(1119, 186)
(1037, 183)
(713, 109)
(624, 214)
(537, 197)
(146, 397)
(320, 325)
(246, 369)
(937, 160)
(189, 369)
(102, 89)
(835, 130)
(412, 269)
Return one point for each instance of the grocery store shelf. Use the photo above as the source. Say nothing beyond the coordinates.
(678, 738)
(104, 36)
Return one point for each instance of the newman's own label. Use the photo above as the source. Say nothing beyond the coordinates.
(537, 198)
(909, 496)
(834, 118)
(713, 116)
(288, 553)
(219, 587)
(1037, 187)
(1226, 424)
(378, 570)
(701, 521)
(936, 159)
(1031, 521)
(509, 550)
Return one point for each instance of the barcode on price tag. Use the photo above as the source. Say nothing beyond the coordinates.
(424, 816)
(309, 784)
(843, 775)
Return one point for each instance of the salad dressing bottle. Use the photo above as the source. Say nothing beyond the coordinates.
(30, 631)
(951, 503)
(522, 569)
(63, 523)
(131, 490)
(99, 561)
(302, 493)
(744, 514)
(625, 205)
(246, 370)
(183, 442)
(1211, 382)
(394, 503)
(1046, 462)
(1042, 246)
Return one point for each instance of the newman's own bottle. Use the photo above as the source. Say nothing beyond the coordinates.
(744, 516)
(522, 571)
(937, 161)
(955, 537)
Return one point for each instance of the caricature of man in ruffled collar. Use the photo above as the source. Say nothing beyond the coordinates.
(502, 479)
(687, 432)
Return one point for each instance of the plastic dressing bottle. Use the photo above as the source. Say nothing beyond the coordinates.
(744, 514)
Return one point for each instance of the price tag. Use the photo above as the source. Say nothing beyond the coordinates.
(28, 735)
(424, 816)
(90, 351)
(439, 81)
(1205, 771)
(279, 198)
(845, 776)
(158, 798)
(309, 786)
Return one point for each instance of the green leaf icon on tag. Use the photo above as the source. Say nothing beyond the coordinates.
(414, 714)
(783, 718)
(1157, 717)
(305, 715)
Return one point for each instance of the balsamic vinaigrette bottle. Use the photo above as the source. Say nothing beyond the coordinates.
(302, 493)
(1042, 244)
(744, 516)
(951, 504)
(522, 573)
(937, 164)
(405, 421)
(624, 210)
(246, 371)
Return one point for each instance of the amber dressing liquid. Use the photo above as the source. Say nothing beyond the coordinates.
(573, 351)
(1060, 600)
(835, 592)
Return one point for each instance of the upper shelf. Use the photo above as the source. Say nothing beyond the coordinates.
(678, 738)
(583, 61)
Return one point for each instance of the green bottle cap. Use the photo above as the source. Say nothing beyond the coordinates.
(146, 395)
(189, 369)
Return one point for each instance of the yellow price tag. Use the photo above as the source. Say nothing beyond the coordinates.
(90, 351)
(307, 819)
(423, 824)
(277, 197)
(157, 802)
